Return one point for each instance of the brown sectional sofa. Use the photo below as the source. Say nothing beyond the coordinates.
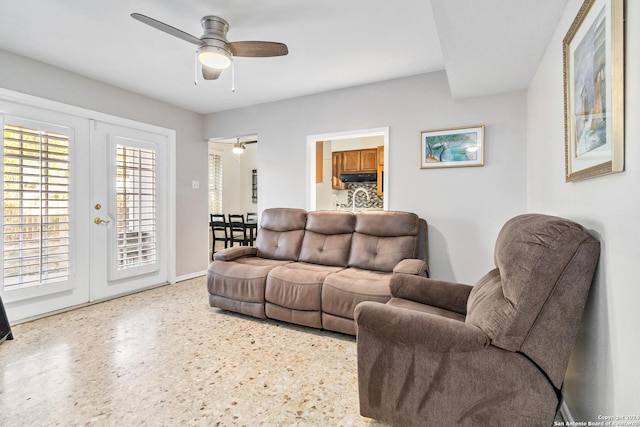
(313, 268)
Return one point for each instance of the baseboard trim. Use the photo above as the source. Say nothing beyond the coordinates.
(191, 276)
(566, 414)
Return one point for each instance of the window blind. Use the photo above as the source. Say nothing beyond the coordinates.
(136, 207)
(36, 207)
(215, 183)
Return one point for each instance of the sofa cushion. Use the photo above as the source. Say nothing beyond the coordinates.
(293, 293)
(342, 291)
(384, 238)
(327, 238)
(281, 233)
(241, 280)
(297, 285)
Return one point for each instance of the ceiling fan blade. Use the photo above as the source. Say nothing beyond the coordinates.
(211, 73)
(167, 29)
(258, 49)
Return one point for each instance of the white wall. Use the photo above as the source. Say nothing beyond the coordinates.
(247, 162)
(465, 207)
(603, 376)
(24, 75)
(357, 143)
(236, 178)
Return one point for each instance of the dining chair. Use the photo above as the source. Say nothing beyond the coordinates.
(219, 231)
(252, 221)
(238, 230)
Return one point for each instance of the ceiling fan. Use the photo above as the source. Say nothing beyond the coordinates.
(239, 147)
(215, 52)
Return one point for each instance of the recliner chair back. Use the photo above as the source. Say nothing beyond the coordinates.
(534, 299)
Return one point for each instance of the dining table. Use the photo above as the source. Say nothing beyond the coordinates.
(252, 226)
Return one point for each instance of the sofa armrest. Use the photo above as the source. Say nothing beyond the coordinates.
(412, 266)
(438, 293)
(234, 252)
(396, 325)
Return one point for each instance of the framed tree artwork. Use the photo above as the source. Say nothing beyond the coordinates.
(456, 147)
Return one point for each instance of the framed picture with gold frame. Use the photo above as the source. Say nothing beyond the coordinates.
(455, 147)
(593, 59)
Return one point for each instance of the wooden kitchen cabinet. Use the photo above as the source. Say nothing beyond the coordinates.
(352, 161)
(359, 161)
(380, 169)
(336, 170)
(319, 161)
(369, 160)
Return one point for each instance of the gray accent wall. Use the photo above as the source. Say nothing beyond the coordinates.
(603, 377)
(465, 207)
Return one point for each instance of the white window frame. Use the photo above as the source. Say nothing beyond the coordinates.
(116, 273)
(47, 288)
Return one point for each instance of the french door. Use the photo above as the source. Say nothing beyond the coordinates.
(85, 210)
(128, 205)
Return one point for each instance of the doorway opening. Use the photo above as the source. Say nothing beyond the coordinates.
(233, 180)
(324, 189)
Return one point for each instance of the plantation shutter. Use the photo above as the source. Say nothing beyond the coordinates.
(136, 207)
(215, 183)
(36, 208)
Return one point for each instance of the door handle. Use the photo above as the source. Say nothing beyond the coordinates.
(99, 221)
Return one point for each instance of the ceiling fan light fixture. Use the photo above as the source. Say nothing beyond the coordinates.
(214, 57)
(238, 148)
(215, 52)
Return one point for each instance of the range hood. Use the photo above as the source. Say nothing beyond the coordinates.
(358, 177)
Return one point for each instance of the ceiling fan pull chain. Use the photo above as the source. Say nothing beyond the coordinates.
(233, 77)
(195, 82)
(195, 76)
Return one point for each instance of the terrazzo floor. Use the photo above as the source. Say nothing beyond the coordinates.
(163, 357)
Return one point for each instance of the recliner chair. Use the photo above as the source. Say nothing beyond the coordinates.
(447, 354)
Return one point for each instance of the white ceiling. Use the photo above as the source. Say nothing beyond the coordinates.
(485, 46)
